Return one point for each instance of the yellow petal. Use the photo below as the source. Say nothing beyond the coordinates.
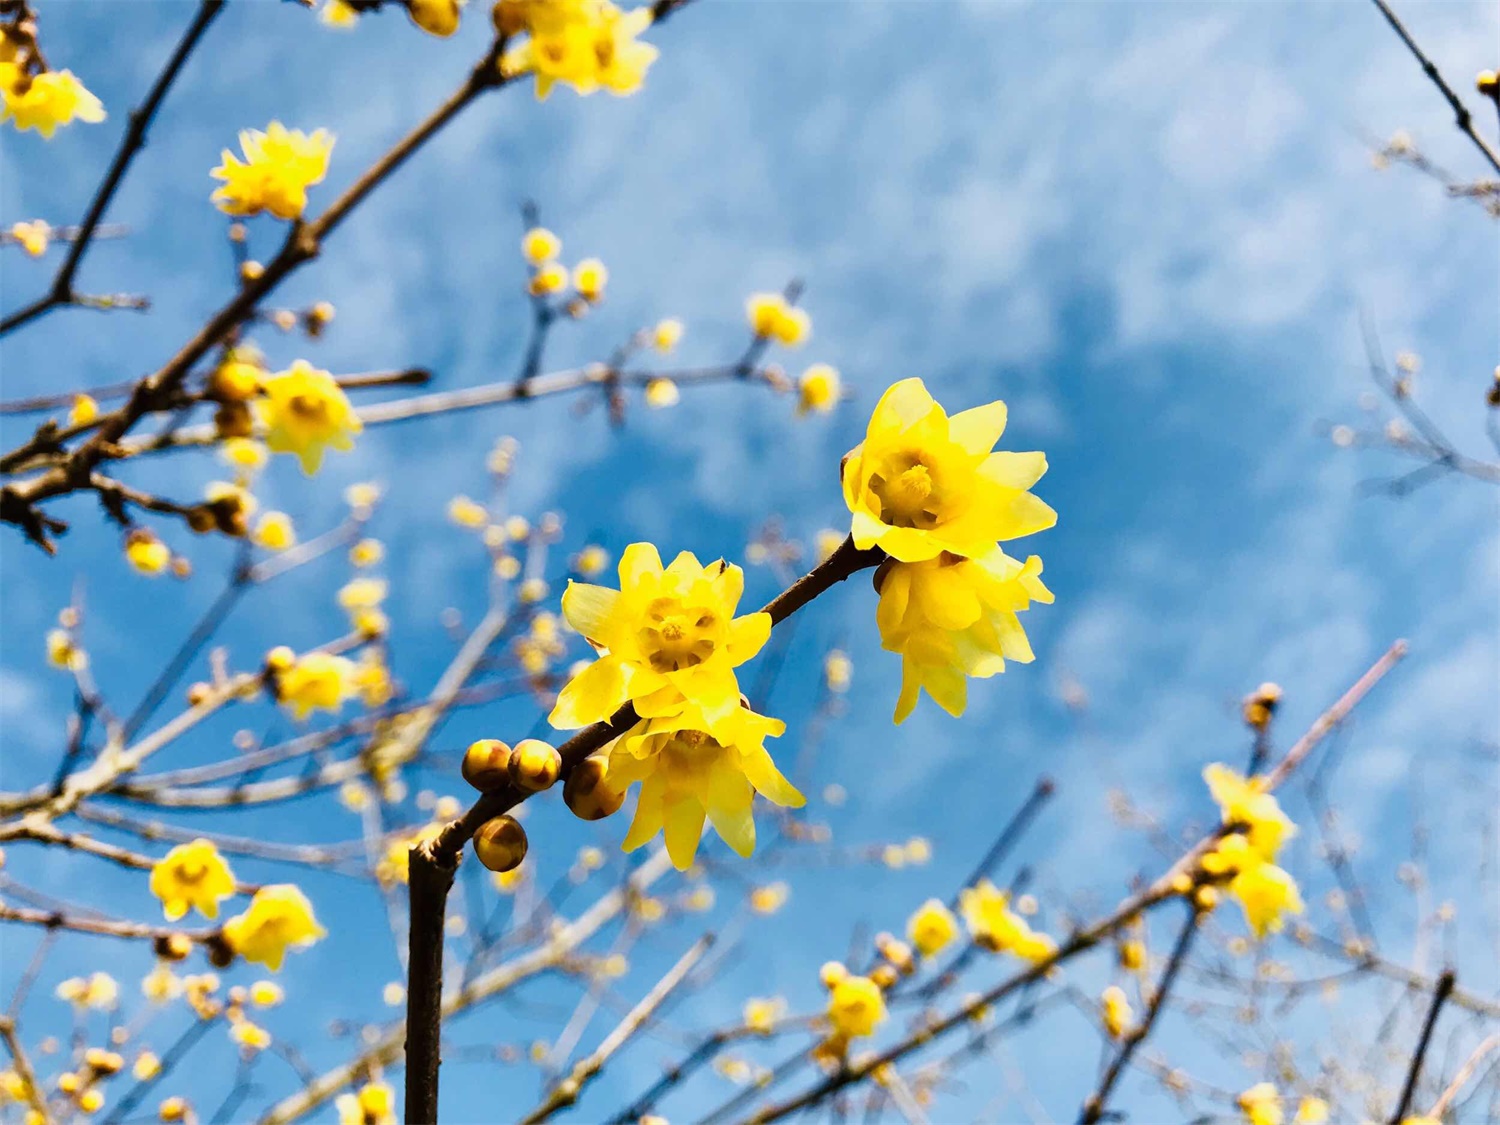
(638, 561)
(683, 828)
(588, 609)
(590, 696)
(978, 430)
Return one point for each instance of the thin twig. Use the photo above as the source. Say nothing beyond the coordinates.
(1414, 1071)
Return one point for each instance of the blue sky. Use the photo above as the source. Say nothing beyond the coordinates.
(1151, 228)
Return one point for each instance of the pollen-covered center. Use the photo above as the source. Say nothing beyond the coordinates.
(312, 409)
(677, 636)
(908, 493)
(689, 754)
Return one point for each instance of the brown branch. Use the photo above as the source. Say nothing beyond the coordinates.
(103, 927)
(1414, 1071)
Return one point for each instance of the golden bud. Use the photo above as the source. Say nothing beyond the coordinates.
(436, 17)
(198, 694)
(534, 765)
(588, 793)
(201, 519)
(173, 1109)
(884, 976)
(500, 843)
(486, 764)
(172, 947)
(509, 16)
(1487, 82)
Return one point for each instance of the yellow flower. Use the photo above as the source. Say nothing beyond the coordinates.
(147, 1066)
(244, 453)
(993, 925)
(687, 775)
(550, 278)
(761, 1015)
(318, 680)
(99, 991)
(191, 875)
(338, 13)
(161, 984)
(1117, 1014)
(586, 44)
(922, 483)
(249, 1035)
(83, 411)
(856, 1006)
(539, 245)
(770, 898)
(363, 593)
(838, 671)
(932, 927)
(305, 411)
(367, 552)
(33, 237)
(771, 317)
(63, 653)
(662, 392)
(591, 561)
(1245, 802)
(274, 531)
(466, 512)
(146, 552)
(951, 617)
(1264, 891)
(280, 165)
(279, 916)
(372, 679)
(375, 1104)
(819, 389)
(1314, 1111)
(666, 635)
(665, 335)
(589, 279)
(47, 100)
(266, 994)
(436, 17)
(1261, 1105)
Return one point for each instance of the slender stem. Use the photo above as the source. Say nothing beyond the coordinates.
(431, 879)
(1414, 1072)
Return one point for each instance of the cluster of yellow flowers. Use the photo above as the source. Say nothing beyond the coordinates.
(373, 1104)
(996, 927)
(1246, 856)
(587, 44)
(1262, 1104)
(669, 642)
(33, 237)
(279, 165)
(926, 489)
(314, 681)
(856, 1005)
(33, 97)
(541, 248)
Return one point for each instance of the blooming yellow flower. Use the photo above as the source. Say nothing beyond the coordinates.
(772, 317)
(317, 680)
(856, 1006)
(819, 389)
(1264, 891)
(761, 1015)
(146, 1066)
(662, 392)
(591, 561)
(589, 279)
(305, 411)
(191, 875)
(665, 335)
(1117, 1013)
(548, 279)
(1245, 802)
(45, 101)
(279, 916)
(338, 13)
(98, 991)
(249, 1035)
(33, 237)
(363, 593)
(586, 44)
(266, 994)
(539, 246)
(687, 775)
(1261, 1105)
(922, 483)
(372, 680)
(951, 617)
(995, 926)
(375, 1104)
(1314, 1111)
(931, 927)
(367, 552)
(770, 898)
(280, 165)
(63, 653)
(666, 635)
(146, 552)
(274, 531)
(466, 512)
(244, 453)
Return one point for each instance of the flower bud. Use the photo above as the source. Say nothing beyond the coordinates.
(588, 793)
(172, 947)
(436, 17)
(500, 843)
(486, 764)
(534, 765)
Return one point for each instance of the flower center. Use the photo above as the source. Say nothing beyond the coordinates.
(676, 636)
(908, 498)
(309, 408)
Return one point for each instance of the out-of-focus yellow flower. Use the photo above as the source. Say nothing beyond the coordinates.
(374, 1104)
(931, 928)
(819, 389)
(45, 101)
(770, 898)
(662, 392)
(550, 278)
(1314, 1111)
(540, 245)
(146, 1067)
(687, 775)
(995, 926)
(191, 875)
(591, 561)
(436, 17)
(372, 680)
(771, 317)
(1246, 802)
(98, 991)
(161, 984)
(586, 44)
(146, 552)
(952, 617)
(32, 237)
(238, 376)
(63, 653)
(338, 13)
(922, 483)
(266, 994)
(244, 453)
(279, 166)
(466, 512)
(838, 671)
(665, 335)
(274, 531)
(1117, 1013)
(362, 593)
(305, 412)
(827, 542)
(667, 635)
(279, 917)
(367, 552)
(761, 1015)
(590, 278)
(918, 850)
(1261, 1105)
(249, 1035)
(316, 680)
(362, 497)
(856, 1006)
(1264, 891)
(83, 411)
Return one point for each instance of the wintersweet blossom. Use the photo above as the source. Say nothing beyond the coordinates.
(952, 617)
(856, 1006)
(315, 681)
(1116, 1011)
(32, 237)
(279, 917)
(1265, 892)
(995, 926)
(1247, 803)
(773, 317)
(191, 875)
(305, 411)
(1261, 1105)
(374, 1104)
(46, 100)
(688, 775)
(819, 389)
(922, 483)
(279, 165)
(932, 927)
(587, 44)
(667, 635)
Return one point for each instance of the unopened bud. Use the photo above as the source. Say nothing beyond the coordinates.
(500, 843)
(534, 765)
(588, 793)
(486, 764)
